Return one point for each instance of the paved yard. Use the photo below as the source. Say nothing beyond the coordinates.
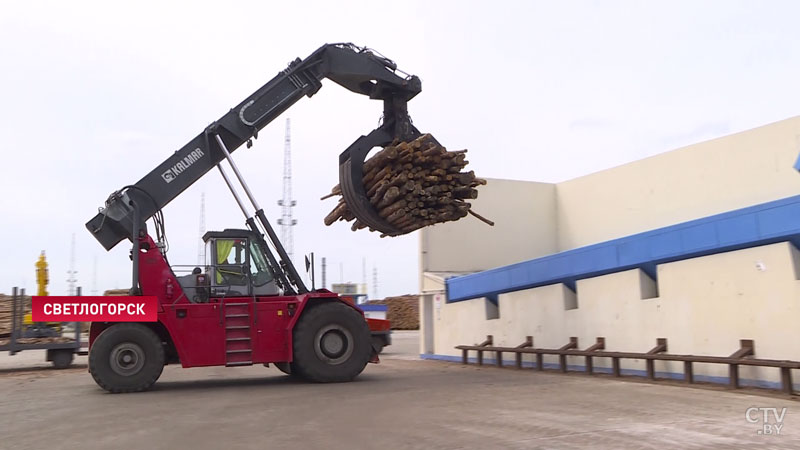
(400, 403)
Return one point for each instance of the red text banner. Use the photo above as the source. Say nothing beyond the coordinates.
(95, 309)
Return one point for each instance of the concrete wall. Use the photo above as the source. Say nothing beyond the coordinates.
(700, 180)
(704, 306)
(525, 227)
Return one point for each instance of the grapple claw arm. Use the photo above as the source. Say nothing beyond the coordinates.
(396, 126)
(357, 69)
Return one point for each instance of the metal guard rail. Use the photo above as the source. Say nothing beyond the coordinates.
(743, 356)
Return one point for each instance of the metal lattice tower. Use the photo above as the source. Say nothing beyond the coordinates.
(71, 280)
(94, 276)
(374, 283)
(286, 221)
(364, 270)
(324, 273)
(201, 248)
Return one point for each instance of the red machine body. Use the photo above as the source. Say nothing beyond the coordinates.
(227, 331)
(251, 305)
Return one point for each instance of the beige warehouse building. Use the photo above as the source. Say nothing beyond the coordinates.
(698, 245)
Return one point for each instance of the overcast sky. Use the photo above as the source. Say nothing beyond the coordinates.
(96, 94)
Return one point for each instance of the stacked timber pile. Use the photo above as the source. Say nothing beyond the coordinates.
(42, 340)
(402, 312)
(116, 292)
(5, 313)
(413, 185)
(5, 322)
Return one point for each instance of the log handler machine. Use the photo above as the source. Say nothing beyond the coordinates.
(248, 305)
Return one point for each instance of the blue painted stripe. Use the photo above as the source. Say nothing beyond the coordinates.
(763, 224)
(374, 308)
(489, 362)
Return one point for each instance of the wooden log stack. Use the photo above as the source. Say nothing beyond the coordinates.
(413, 185)
(116, 292)
(6, 310)
(402, 311)
(6, 322)
(6, 307)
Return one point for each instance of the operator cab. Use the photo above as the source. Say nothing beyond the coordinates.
(235, 267)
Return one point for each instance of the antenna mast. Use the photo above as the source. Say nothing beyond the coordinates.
(286, 221)
(201, 249)
(375, 282)
(71, 280)
(324, 273)
(94, 276)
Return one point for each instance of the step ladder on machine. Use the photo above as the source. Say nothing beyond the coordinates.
(238, 334)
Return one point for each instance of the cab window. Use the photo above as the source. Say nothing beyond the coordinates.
(259, 271)
(231, 261)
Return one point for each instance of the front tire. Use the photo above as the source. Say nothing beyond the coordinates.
(127, 357)
(332, 343)
(285, 367)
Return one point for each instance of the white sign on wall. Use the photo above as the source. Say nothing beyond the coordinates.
(438, 299)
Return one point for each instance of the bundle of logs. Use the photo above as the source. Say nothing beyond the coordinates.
(6, 309)
(413, 185)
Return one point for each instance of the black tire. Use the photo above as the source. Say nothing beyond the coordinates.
(126, 357)
(61, 359)
(286, 368)
(378, 344)
(331, 343)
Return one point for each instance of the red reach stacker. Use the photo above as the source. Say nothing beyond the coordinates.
(247, 305)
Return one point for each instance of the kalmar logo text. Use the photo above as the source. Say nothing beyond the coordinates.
(182, 165)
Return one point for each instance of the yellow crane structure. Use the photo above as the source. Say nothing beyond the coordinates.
(41, 329)
(42, 278)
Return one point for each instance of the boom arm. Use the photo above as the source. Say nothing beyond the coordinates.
(357, 69)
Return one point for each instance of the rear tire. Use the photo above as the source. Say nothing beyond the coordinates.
(378, 344)
(127, 357)
(61, 358)
(332, 343)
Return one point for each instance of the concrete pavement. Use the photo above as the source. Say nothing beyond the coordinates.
(401, 403)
